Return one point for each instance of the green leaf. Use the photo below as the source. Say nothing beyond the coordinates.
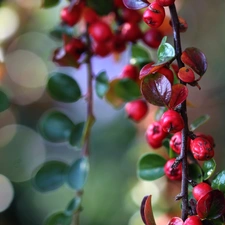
(219, 181)
(165, 51)
(58, 218)
(77, 134)
(55, 126)
(73, 206)
(127, 89)
(63, 88)
(78, 173)
(50, 3)
(151, 167)
(198, 122)
(209, 168)
(195, 172)
(4, 101)
(100, 6)
(102, 84)
(50, 176)
(58, 31)
(139, 55)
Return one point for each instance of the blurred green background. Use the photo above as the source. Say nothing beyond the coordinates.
(113, 192)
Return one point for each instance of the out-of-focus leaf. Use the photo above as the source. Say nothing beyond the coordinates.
(50, 176)
(218, 181)
(142, 208)
(77, 134)
(50, 3)
(58, 218)
(135, 4)
(139, 55)
(100, 6)
(60, 30)
(102, 84)
(156, 89)
(78, 173)
(55, 126)
(198, 122)
(209, 168)
(148, 212)
(211, 205)
(151, 167)
(4, 101)
(195, 59)
(73, 206)
(63, 88)
(195, 172)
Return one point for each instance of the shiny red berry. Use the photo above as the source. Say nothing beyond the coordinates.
(175, 142)
(89, 15)
(71, 16)
(154, 15)
(155, 135)
(136, 110)
(175, 221)
(200, 190)
(130, 15)
(167, 73)
(165, 2)
(201, 149)
(130, 71)
(173, 173)
(193, 220)
(102, 48)
(131, 32)
(172, 121)
(152, 38)
(208, 137)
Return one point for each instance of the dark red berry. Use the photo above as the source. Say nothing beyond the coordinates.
(201, 149)
(173, 173)
(130, 15)
(200, 190)
(154, 15)
(89, 15)
(172, 121)
(71, 16)
(118, 43)
(155, 135)
(119, 3)
(183, 26)
(131, 32)
(102, 48)
(130, 71)
(152, 38)
(167, 73)
(136, 110)
(165, 2)
(193, 220)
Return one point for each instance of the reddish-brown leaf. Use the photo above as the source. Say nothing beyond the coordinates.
(179, 94)
(148, 69)
(148, 214)
(156, 89)
(195, 59)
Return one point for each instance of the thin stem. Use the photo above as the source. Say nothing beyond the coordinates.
(183, 111)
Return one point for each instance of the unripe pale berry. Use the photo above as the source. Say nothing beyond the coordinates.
(172, 121)
(193, 220)
(200, 190)
(165, 2)
(173, 174)
(201, 149)
(152, 38)
(136, 110)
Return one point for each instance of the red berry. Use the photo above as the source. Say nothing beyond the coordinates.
(172, 121)
(89, 15)
(175, 221)
(193, 220)
(152, 38)
(131, 32)
(165, 2)
(186, 75)
(200, 190)
(100, 31)
(130, 71)
(173, 174)
(201, 149)
(136, 110)
(155, 135)
(102, 48)
(71, 16)
(175, 142)
(167, 73)
(119, 3)
(118, 44)
(130, 15)
(208, 137)
(154, 15)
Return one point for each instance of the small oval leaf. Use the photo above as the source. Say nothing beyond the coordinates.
(195, 59)
(77, 135)
(139, 55)
(135, 4)
(195, 172)
(60, 30)
(198, 122)
(218, 181)
(78, 173)
(55, 126)
(50, 176)
(58, 218)
(63, 88)
(156, 89)
(102, 84)
(151, 167)
(50, 3)
(148, 213)
(73, 206)
(4, 101)
(209, 168)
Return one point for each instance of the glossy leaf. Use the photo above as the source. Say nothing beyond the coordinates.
(165, 51)
(151, 167)
(211, 205)
(100, 6)
(73, 206)
(63, 88)
(156, 89)
(148, 212)
(60, 30)
(4, 101)
(139, 55)
(50, 176)
(176, 221)
(102, 84)
(209, 168)
(77, 134)
(55, 126)
(195, 59)
(195, 172)
(135, 4)
(219, 181)
(149, 69)
(198, 122)
(78, 173)
(127, 89)
(50, 3)
(179, 95)
(58, 218)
